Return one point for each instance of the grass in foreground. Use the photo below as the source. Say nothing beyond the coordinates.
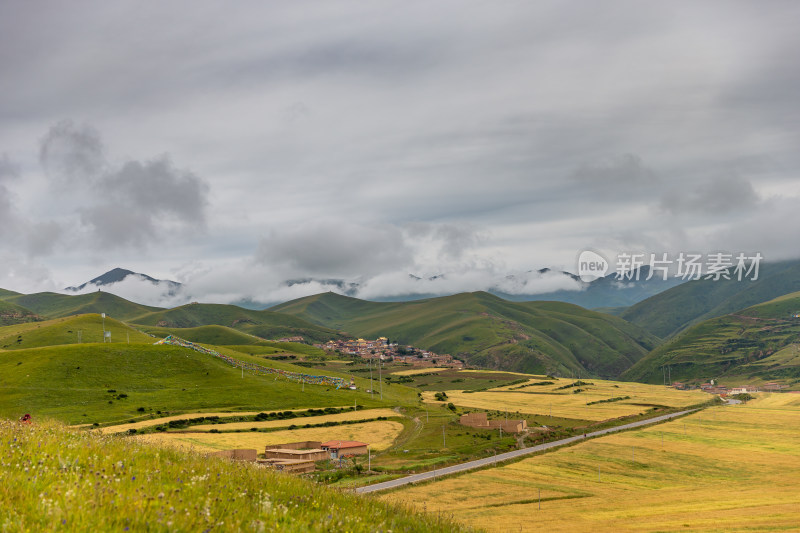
(727, 468)
(55, 479)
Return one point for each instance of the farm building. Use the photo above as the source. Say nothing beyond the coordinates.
(345, 448)
(309, 451)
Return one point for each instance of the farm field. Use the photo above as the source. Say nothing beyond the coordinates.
(340, 417)
(528, 398)
(727, 468)
(415, 371)
(121, 428)
(379, 434)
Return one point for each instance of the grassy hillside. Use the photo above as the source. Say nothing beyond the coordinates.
(52, 305)
(265, 324)
(68, 330)
(489, 331)
(74, 383)
(752, 345)
(11, 313)
(87, 482)
(671, 311)
(5, 293)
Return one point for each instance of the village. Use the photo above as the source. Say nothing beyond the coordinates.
(384, 350)
(712, 387)
(299, 457)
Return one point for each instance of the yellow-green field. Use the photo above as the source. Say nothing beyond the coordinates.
(340, 417)
(727, 468)
(379, 435)
(121, 428)
(415, 371)
(547, 400)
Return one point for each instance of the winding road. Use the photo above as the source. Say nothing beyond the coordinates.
(424, 476)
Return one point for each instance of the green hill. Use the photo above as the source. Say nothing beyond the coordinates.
(5, 293)
(11, 313)
(488, 331)
(68, 330)
(53, 305)
(752, 345)
(671, 311)
(264, 324)
(111, 382)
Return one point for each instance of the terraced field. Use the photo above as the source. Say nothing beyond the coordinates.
(597, 399)
(728, 468)
(367, 414)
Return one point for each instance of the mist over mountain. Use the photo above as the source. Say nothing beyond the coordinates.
(534, 285)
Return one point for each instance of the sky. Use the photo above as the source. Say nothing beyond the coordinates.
(235, 147)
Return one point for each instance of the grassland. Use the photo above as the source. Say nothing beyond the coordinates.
(738, 348)
(535, 337)
(52, 305)
(70, 330)
(729, 468)
(379, 434)
(530, 399)
(54, 479)
(107, 383)
(415, 371)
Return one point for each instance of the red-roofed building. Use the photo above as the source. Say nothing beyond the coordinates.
(345, 448)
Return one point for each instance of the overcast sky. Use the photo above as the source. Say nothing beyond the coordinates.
(235, 146)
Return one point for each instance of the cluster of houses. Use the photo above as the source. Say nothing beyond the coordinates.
(480, 420)
(713, 388)
(299, 457)
(381, 348)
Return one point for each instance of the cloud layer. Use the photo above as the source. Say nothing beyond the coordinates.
(372, 142)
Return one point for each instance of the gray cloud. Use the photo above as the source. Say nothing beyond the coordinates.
(335, 249)
(142, 202)
(72, 154)
(500, 140)
(716, 196)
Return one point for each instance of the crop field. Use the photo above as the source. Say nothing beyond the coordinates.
(450, 378)
(727, 468)
(415, 371)
(340, 417)
(379, 434)
(547, 399)
(121, 428)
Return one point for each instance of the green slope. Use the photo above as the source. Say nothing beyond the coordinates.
(489, 331)
(752, 345)
(68, 330)
(72, 383)
(11, 313)
(5, 293)
(264, 324)
(52, 305)
(671, 311)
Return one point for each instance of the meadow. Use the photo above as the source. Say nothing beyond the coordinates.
(56, 479)
(378, 434)
(727, 468)
(597, 400)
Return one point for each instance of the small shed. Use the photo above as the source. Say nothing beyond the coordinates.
(345, 448)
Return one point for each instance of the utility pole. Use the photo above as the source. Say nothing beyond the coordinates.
(380, 377)
(370, 377)
(444, 439)
(104, 327)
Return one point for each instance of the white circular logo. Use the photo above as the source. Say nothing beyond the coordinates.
(591, 266)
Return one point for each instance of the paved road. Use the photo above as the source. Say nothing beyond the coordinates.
(509, 455)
